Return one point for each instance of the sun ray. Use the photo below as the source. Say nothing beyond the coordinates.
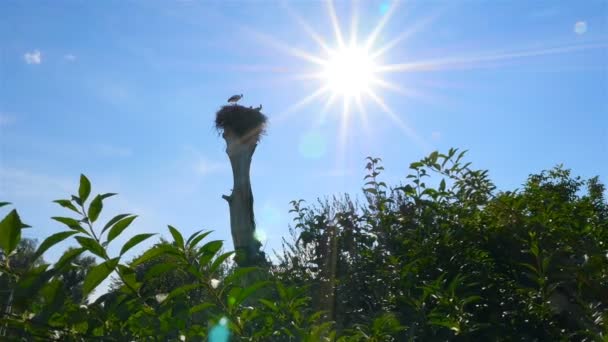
(343, 134)
(335, 23)
(371, 39)
(396, 88)
(287, 49)
(304, 25)
(420, 25)
(354, 22)
(473, 62)
(363, 117)
(323, 113)
(397, 120)
(306, 100)
(308, 76)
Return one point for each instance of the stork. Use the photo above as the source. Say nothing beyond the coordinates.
(258, 108)
(235, 98)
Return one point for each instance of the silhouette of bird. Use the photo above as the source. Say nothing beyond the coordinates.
(235, 98)
(258, 108)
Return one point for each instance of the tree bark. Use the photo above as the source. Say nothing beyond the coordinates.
(242, 220)
(328, 288)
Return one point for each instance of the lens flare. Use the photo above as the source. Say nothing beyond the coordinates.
(220, 332)
(312, 145)
(260, 235)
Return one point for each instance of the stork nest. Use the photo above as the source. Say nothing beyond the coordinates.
(242, 121)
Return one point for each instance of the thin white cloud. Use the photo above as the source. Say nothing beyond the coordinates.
(21, 183)
(6, 119)
(202, 165)
(69, 57)
(33, 57)
(114, 93)
(205, 167)
(113, 151)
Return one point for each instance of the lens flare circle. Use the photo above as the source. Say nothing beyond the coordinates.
(349, 71)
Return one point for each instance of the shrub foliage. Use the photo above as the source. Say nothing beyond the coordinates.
(443, 256)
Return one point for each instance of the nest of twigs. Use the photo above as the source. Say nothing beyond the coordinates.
(243, 121)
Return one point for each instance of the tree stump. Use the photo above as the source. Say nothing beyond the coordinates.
(242, 128)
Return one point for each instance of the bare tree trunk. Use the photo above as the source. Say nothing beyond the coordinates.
(333, 263)
(327, 289)
(242, 220)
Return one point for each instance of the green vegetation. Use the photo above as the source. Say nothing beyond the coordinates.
(444, 256)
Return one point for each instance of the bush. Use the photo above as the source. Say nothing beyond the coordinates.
(454, 261)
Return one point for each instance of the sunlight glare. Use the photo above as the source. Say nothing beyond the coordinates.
(313, 145)
(349, 71)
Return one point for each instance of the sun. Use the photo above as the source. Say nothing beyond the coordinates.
(349, 72)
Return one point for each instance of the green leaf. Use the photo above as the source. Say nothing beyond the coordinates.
(119, 227)
(134, 241)
(248, 291)
(177, 237)
(10, 231)
(95, 208)
(201, 307)
(71, 223)
(92, 246)
(471, 299)
(106, 195)
(113, 221)
(461, 155)
(97, 205)
(97, 274)
(2, 204)
(157, 270)
(68, 256)
(271, 305)
(218, 261)
(209, 250)
(77, 200)
(451, 152)
(67, 204)
(534, 248)
(152, 253)
(182, 290)
(195, 234)
(433, 157)
(129, 277)
(442, 185)
(51, 241)
(530, 267)
(238, 274)
(54, 297)
(81, 327)
(546, 262)
(198, 239)
(232, 296)
(85, 188)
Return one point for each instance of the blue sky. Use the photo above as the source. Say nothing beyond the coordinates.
(125, 92)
